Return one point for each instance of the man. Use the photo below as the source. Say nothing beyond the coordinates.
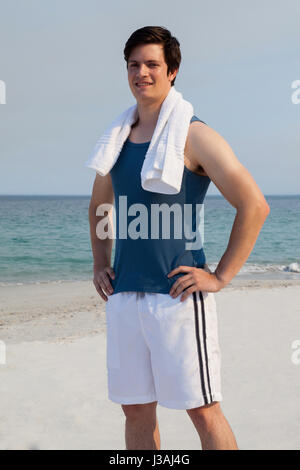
(159, 347)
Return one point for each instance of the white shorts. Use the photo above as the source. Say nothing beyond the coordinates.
(161, 349)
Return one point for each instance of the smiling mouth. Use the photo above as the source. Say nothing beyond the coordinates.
(144, 85)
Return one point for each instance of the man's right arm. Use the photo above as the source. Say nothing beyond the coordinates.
(102, 194)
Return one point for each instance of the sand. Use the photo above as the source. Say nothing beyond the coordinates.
(53, 386)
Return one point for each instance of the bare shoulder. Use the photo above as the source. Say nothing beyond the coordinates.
(102, 189)
(190, 162)
(209, 149)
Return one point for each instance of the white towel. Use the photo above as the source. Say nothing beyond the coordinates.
(163, 165)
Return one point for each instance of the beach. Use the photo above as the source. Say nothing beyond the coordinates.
(98, 171)
(53, 386)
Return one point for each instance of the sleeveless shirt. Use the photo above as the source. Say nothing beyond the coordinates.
(143, 260)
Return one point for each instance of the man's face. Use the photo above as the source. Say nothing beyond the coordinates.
(146, 63)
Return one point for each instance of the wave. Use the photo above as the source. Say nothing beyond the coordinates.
(276, 270)
(57, 281)
(293, 268)
(265, 268)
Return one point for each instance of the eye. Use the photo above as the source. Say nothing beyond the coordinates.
(151, 65)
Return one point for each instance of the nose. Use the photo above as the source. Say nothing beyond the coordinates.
(142, 71)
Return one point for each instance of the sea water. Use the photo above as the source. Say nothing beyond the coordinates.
(47, 238)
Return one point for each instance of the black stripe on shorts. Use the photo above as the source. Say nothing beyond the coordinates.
(203, 361)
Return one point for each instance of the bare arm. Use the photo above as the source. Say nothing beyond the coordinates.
(102, 194)
(237, 185)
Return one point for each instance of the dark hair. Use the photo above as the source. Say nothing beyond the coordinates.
(156, 35)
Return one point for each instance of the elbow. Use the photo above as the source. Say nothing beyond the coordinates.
(262, 210)
(265, 208)
(259, 209)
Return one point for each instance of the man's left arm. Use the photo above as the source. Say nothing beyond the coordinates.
(210, 150)
(237, 185)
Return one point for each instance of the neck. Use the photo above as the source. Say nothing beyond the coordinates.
(148, 113)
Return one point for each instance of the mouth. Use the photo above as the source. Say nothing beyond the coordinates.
(143, 84)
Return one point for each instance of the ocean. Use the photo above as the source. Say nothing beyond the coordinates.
(47, 239)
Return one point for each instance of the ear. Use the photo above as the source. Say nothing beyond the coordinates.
(173, 75)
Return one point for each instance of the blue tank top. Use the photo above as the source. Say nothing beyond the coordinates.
(142, 264)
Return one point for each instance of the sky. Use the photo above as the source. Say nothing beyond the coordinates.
(65, 75)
